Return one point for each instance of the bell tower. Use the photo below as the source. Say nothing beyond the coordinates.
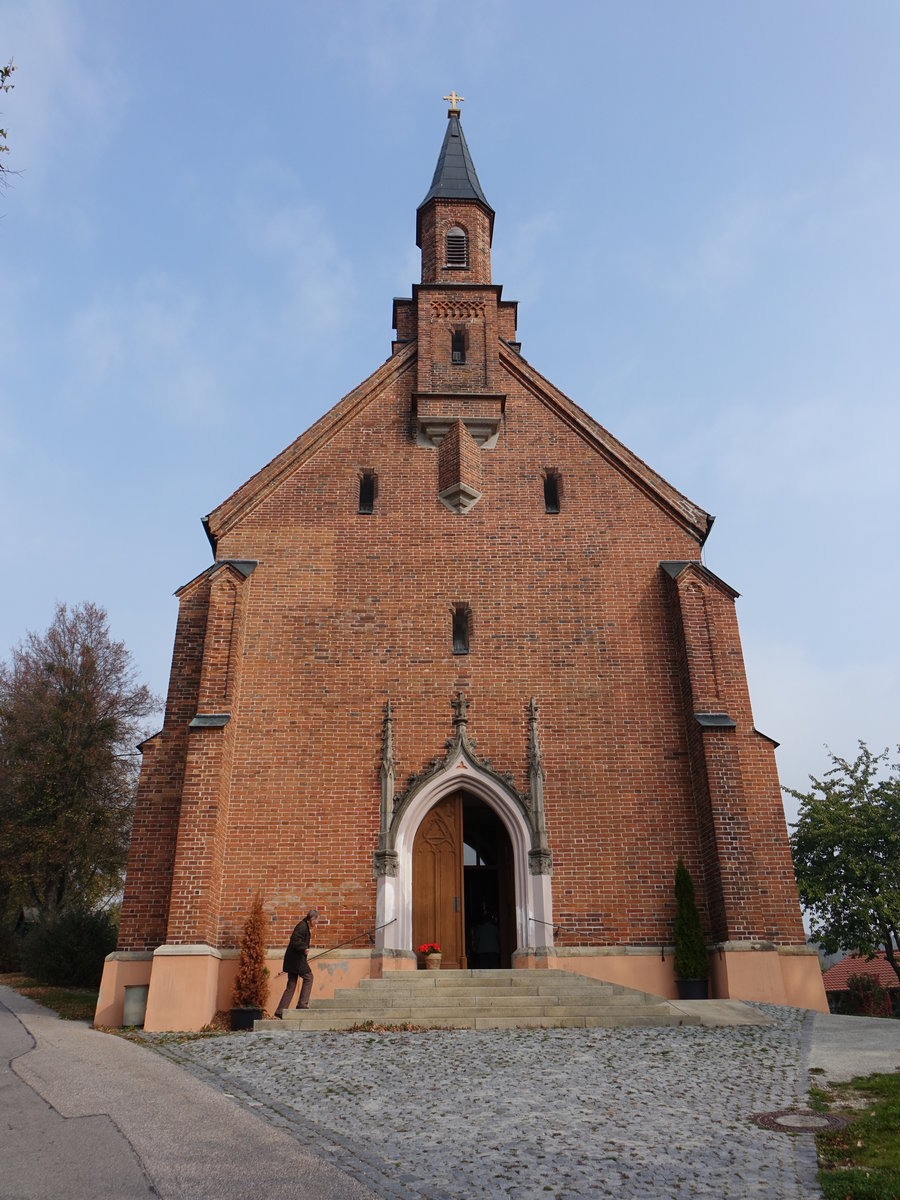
(458, 320)
(455, 223)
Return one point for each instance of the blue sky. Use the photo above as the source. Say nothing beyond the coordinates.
(697, 209)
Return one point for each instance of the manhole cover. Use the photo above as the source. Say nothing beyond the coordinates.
(797, 1120)
(802, 1121)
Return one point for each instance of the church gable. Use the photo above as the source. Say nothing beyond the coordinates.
(387, 415)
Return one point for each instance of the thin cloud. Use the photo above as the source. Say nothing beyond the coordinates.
(807, 705)
(315, 278)
(69, 99)
(805, 449)
(148, 345)
(526, 259)
(733, 244)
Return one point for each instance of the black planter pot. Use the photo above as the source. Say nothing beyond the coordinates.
(692, 989)
(243, 1018)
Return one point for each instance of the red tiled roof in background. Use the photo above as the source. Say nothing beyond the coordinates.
(835, 978)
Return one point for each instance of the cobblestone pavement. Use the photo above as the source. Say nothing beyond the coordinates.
(453, 1115)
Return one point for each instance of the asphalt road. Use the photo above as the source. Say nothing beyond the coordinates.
(88, 1116)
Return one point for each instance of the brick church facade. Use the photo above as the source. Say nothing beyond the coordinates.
(457, 654)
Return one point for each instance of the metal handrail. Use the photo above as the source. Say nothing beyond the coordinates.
(556, 928)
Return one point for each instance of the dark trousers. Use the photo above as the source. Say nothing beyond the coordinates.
(307, 976)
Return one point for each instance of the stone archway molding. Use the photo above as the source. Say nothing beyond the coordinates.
(522, 817)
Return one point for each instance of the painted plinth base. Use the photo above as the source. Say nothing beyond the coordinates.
(770, 975)
(189, 984)
(788, 975)
(121, 970)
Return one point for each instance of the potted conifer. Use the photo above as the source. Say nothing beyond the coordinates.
(691, 957)
(251, 987)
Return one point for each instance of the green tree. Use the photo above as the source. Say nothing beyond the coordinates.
(691, 958)
(70, 711)
(846, 849)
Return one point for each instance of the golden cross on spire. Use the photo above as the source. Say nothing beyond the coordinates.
(455, 101)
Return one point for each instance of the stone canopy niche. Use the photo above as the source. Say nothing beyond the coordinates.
(436, 414)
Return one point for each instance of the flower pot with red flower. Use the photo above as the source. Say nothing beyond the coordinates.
(431, 952)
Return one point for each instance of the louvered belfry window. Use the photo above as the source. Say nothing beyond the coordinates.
(457, 247)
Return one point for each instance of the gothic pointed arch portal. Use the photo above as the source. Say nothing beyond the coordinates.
(528, 888)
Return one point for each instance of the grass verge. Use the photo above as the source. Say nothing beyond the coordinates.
(861, 1161)
(72, 1004)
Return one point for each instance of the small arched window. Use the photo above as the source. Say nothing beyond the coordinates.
(367, 492)
(458, 348)
(551, 492)
(457, 247)
(461, 630)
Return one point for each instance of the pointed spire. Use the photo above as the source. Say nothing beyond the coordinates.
(454, 175)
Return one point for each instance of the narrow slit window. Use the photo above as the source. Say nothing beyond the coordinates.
(458, 348)
(461, 629)
(551, 492)
(457, 247)
(367, 492)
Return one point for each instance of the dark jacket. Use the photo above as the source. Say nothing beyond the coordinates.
(295, 955)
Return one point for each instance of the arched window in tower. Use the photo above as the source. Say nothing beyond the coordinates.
(458, 348)
(457, 247)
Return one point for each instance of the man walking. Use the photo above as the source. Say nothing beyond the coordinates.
(295, 964)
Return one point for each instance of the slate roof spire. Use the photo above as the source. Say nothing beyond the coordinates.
(455, 177)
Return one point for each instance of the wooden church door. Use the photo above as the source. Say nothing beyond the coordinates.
(437, 866)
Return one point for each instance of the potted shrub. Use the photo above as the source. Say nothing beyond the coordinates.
(251, 987)
(432, 954)
(691, 958)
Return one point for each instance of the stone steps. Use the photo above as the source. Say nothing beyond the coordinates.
(485, 1000)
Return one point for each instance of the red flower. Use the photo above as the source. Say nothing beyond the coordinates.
(429, 948)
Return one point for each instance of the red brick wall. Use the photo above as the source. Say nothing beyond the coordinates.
(348, 610)
(203, 842)
(145, 906)
(743, 837)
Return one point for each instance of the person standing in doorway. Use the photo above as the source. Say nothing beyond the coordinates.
(295, 965)
(486, 942)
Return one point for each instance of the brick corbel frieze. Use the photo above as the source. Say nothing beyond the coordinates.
(203, 826)
(698, 600)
